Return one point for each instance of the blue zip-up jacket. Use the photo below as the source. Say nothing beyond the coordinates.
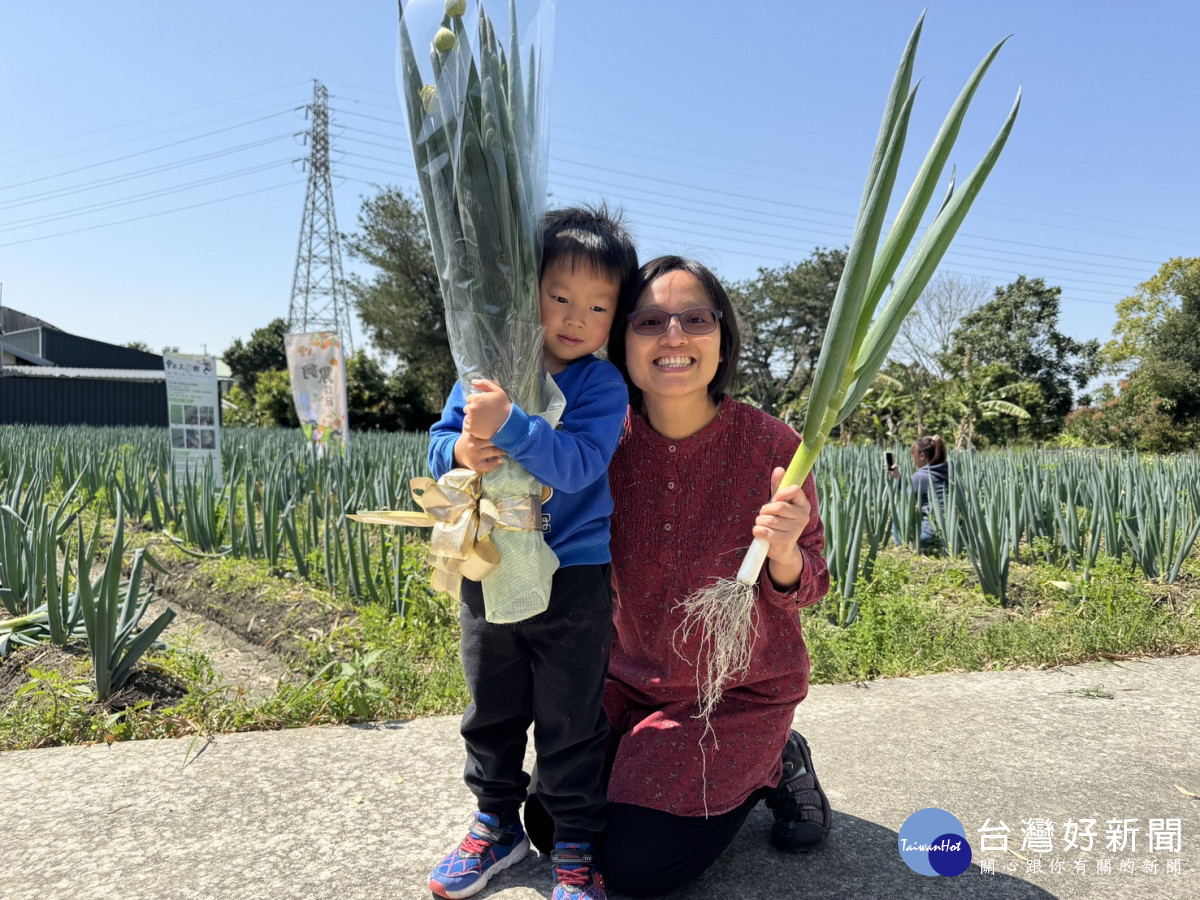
(572, 459)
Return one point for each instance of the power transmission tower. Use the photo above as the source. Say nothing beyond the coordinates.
(318, 291)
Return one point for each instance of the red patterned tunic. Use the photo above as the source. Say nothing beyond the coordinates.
(683, 515)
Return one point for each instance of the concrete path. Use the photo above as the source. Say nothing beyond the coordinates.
(363, 812)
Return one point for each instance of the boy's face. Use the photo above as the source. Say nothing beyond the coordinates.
(577, 308)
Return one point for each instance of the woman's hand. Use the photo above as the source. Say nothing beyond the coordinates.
(780, 523)
(486, 411)
(476, 454)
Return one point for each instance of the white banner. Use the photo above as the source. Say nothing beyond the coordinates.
(192, 399)
(318, 372)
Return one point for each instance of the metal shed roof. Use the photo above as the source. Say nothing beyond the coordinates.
(104, 374)
(68, 372)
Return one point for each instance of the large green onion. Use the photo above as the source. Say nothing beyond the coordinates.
(478, 132)
(856, 340)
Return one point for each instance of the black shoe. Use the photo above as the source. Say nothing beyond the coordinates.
(802, 813)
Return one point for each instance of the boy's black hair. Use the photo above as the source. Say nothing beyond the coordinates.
(593, 235)
(731, 340)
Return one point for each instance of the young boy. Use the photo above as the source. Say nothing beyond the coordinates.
(549, 669)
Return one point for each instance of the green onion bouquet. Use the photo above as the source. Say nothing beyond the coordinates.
(477, 114)
(858, 336)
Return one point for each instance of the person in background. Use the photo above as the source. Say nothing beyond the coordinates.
(930, 482)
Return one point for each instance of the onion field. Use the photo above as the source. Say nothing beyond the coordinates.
(64, 494)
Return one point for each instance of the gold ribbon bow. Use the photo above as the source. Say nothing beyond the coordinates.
(462, 520)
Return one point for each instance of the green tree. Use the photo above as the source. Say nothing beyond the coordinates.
(381, 401)
(885, 413)
(274, 404)
(1171, 361)
(1148, 307)
(982, 394)
(1018, 329)
(783, 313)
(367, 398)
(905, 401)
(400, 306)
(262, 353)
(238, 408)
(1131, 419)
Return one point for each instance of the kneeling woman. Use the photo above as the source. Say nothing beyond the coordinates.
(695, 477)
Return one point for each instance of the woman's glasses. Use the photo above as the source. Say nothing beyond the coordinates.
(657, 321)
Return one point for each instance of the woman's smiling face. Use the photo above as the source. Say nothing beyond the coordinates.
(675, 365)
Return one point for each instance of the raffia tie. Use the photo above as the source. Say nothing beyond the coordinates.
(462, 520)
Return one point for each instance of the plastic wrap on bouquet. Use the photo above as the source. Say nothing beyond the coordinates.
(520, 586)
(475, 94)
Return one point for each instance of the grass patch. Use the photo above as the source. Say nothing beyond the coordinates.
(417, 661)
(922, 615)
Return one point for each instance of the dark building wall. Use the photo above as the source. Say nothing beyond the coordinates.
(71, 350)
(81, 401)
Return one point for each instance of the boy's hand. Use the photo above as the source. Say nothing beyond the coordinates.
(476, 454)
(780, 523)
(486, 411)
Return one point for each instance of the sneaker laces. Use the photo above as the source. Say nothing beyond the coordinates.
(472, 846)
(573, 876)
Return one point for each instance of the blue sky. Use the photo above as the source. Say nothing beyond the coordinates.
(736, 133)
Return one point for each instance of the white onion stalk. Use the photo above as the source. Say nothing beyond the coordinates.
(856, 341)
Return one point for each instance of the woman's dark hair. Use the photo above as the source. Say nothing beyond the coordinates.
(593, 235)
(931, 448)
(731, 342)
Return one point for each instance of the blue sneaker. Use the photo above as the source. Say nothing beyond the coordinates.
(576, 876)
(486, 850)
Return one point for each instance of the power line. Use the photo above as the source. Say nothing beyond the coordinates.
(175, 112)
(362, 115)
(152, 215)
(978, 213)
(141, 173)
(41, 160)
(756, 164)
(799, 228)
(757, 237)
(115, 159)
(138, 198)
